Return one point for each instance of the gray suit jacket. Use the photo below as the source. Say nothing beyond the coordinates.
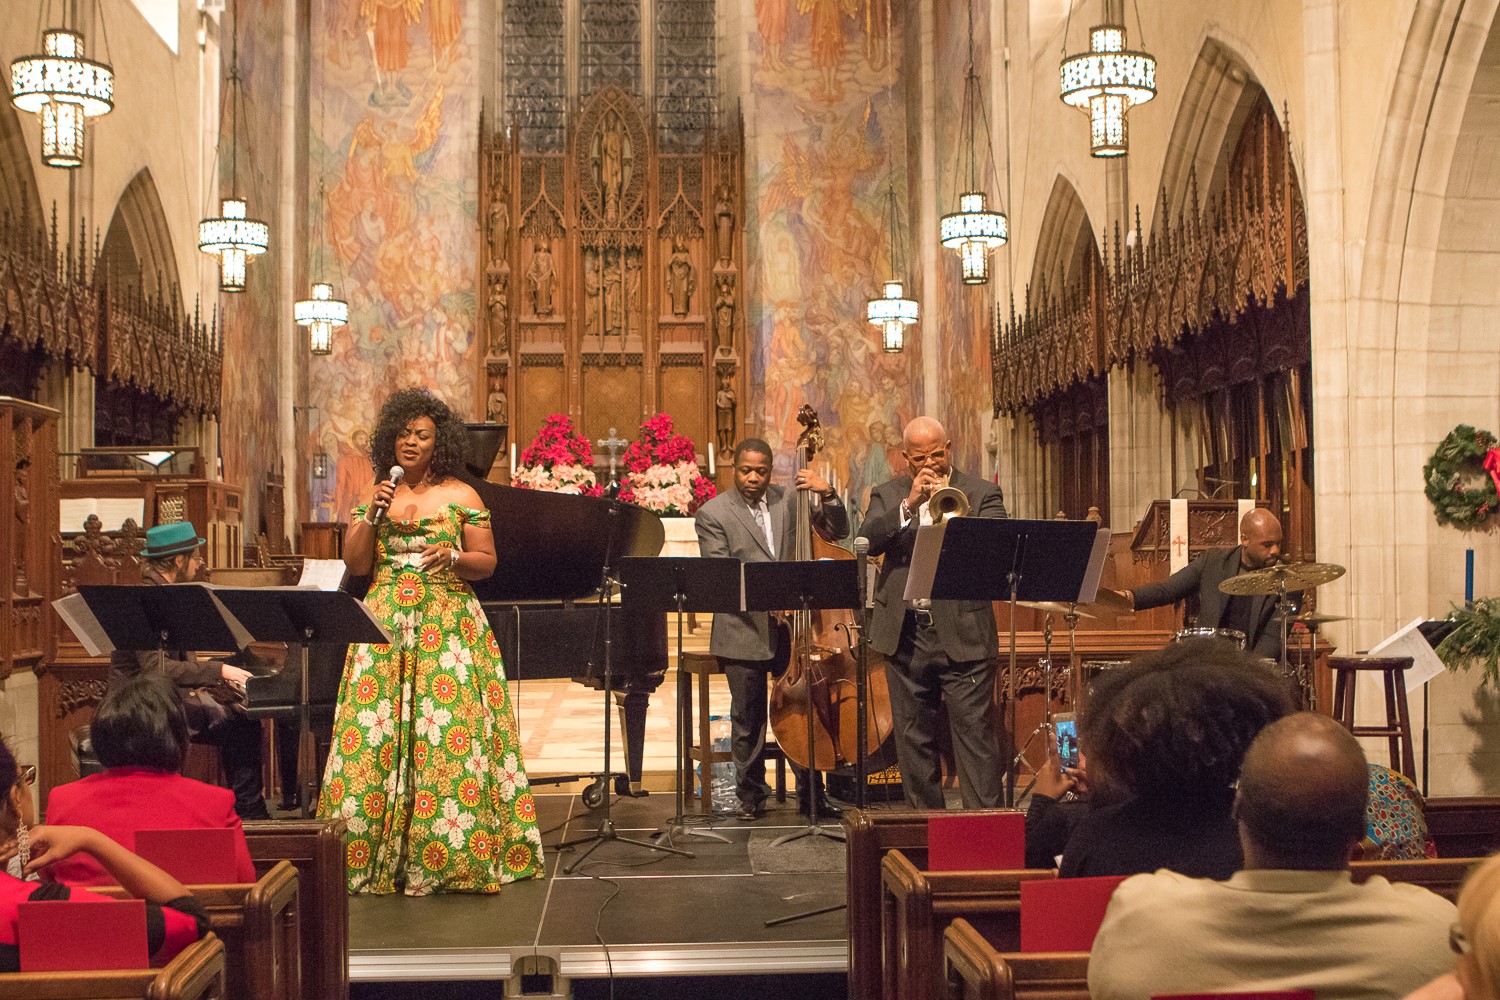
(727, 529)
(1201, 578)
(965, 628)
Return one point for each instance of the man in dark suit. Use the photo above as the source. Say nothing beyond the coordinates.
(939, 651)
(1260, 547)
(757, 522)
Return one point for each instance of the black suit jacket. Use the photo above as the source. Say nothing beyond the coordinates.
(965, 628)
(1202, 577)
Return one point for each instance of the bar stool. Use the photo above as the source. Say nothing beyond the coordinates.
(703, 666)
(1397, 728)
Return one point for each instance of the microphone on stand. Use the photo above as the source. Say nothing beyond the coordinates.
(395, 477)
(862, 569)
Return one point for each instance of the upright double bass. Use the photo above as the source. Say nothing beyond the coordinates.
(821, 679)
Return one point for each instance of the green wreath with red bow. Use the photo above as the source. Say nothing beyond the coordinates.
(1462, 495)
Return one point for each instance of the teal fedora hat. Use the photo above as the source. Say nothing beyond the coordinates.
(175, 539)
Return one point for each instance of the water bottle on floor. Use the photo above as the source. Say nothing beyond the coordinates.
(724, 797)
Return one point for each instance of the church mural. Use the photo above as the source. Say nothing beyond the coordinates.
(394, 142)
(962, 311)
(817, 166)
(249, 438)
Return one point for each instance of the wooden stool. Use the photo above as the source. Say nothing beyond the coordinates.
(1397, 728)
(703, 666)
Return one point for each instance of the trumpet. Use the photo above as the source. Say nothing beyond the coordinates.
(947, 502)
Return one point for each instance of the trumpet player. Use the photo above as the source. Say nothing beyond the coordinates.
(938, 651)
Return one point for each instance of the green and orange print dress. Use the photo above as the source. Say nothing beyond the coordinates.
(426, 761)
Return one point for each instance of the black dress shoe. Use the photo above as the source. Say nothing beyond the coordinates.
(826, 809)
(749, 813)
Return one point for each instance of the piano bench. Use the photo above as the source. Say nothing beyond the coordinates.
(703, 666)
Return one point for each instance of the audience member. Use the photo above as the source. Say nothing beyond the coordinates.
(141, 736)
(1164, 738)
(1395, 819)
(1475, 940)
(1293, 919)
(1059, 802)
(174, 919)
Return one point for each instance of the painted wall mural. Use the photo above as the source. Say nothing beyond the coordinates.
(248, 419)
(394, 129)
(817, 163)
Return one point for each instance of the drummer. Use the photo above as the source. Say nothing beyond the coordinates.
(1260, 547)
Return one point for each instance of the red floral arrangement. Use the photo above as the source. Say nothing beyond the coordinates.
(661, 471)
(558, 459)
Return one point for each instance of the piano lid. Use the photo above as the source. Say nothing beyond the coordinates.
(553, 546)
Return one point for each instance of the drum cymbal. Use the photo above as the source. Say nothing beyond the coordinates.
(1112, 601)
(1318, 618)
(1053, 607)
(1298, 576)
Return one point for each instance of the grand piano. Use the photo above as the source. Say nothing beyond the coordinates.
(552, 550)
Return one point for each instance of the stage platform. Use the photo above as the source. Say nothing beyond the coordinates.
(626, 912)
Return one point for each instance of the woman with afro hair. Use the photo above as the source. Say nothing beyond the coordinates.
(425, 767)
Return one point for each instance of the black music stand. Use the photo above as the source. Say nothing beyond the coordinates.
(302, 616)
(605, 832)
(175, 615)
(1007, 559)
(682, 584)
(804, 587)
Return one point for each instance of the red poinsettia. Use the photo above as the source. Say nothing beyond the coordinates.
(558, 459)
(662, 470)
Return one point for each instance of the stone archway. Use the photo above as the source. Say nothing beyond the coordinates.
(1066, 242)
(138, 244)
(19, 198)
(1221, 92)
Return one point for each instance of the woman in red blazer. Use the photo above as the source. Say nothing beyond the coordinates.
(141, 737)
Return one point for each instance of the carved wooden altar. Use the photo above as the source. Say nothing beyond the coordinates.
(29, 548)
(613, 277)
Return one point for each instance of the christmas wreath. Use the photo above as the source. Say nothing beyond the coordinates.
(1464, 455)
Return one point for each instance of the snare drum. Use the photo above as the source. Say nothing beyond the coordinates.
(1227, 634)
(1092, 671)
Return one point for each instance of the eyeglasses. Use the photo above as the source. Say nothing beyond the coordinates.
(1458, 940)
(28, 774)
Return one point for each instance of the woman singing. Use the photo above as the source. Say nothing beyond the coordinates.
(426, 761)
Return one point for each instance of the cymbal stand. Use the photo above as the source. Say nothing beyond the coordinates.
(1043, 728)
(1074, 694)
(1304, 676)
(606, 829)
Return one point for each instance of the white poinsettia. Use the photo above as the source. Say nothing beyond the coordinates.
(432, 721)
(453, 824)
(378, 723)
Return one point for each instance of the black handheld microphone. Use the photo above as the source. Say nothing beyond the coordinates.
(862, 569)
(395, 477)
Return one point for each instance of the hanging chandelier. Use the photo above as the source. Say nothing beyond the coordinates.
(320, 314)
(1106, 82)
(893, 312)
(231, 236)
(973, 231)
(66, 90)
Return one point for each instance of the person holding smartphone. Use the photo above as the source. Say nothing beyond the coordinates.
(1059, 798)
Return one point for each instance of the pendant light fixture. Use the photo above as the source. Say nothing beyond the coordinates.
(973, 231)
(1106, 82)
(231, 236)
(65, 89)
(322, 313)
(892, 312)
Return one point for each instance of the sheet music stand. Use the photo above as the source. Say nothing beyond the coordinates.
(804, 587)
(175, 615)
(681, 584)
(1008, 559)
(301, 616)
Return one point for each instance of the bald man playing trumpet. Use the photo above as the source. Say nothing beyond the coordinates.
(939, 651)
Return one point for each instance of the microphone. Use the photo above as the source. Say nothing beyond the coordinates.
(395, 477)
(862, 569)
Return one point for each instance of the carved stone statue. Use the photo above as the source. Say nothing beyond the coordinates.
(497, 405)
(614, 295)
(725, 401)
(724, 224)
(681, 279)
(724, 315)
(499, 225)
(612, 164)
(632, 292)
(591, 287)
(499, 309)
(541, 278)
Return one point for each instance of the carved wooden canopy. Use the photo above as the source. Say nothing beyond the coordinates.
(1197, 269)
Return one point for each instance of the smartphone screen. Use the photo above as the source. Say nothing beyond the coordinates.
(1066, 727)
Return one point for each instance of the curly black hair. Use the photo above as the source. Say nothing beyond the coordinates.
(1174, 725)
(450, 447)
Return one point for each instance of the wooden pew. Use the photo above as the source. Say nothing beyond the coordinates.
(197, 973)
(259, 924)
(973, 969)
(869, 834)
(1444, 876)
(316, 849)
(1464, 826)
(917, 905)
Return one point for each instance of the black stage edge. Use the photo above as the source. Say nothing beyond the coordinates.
(672, 916)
